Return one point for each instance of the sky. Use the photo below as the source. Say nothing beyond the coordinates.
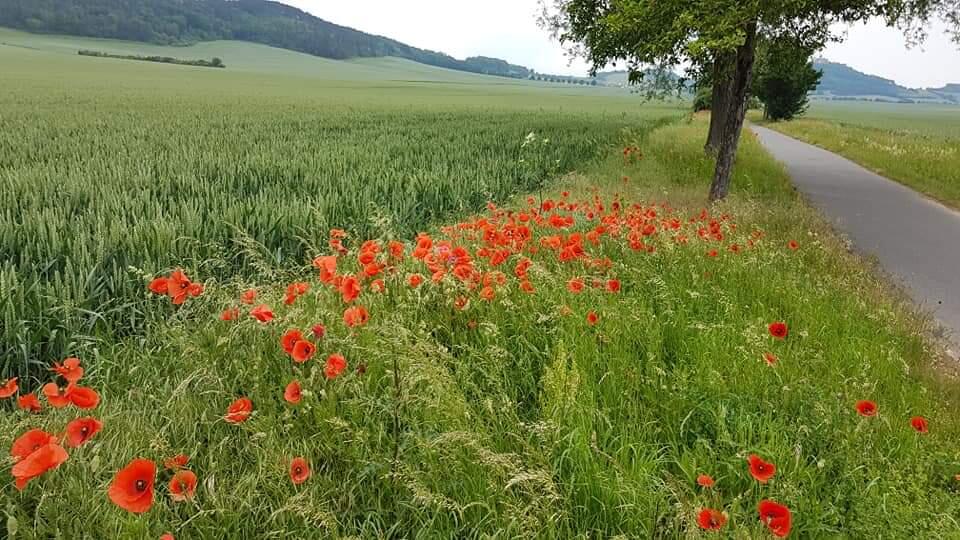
(508, 29)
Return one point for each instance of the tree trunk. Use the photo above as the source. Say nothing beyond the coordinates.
(720, 103)
(733, 123)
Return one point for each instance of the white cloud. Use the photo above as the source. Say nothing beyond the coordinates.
(508, 29)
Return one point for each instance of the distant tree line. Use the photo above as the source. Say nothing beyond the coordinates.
(561, 80)
(214, 62)
(183, 22)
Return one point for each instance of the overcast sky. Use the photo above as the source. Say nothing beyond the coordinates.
(508, 29)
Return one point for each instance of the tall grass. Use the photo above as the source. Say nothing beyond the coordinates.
(101, 189)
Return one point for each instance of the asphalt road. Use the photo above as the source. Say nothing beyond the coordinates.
(916, 240)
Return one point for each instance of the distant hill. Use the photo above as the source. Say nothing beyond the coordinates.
(842, 82)
(184, 22)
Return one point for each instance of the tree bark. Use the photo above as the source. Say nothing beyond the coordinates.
(733, 123)
(720, 103)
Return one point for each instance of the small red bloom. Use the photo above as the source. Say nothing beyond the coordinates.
(776, 517)
(159, 285)
(82, 430)
(30, 442)
(919, 424)
(355, 316)
(336, 363)
(29, 402)
(592, 318)
(290, 339)
(43, 459)
(415, 280)
(711, 520)
(760, 469)
(705, 480)
(177, 462)
(132, 487)
(83, 397)
(55, 397)
(183, 485)
(262, 313)
(167, 536)
(488, 293)
(299, 470)
(778, 330)
(613, 285)
(319, 331)
(69, 370)
(239, 411)
(302, 351)
(575, 285)
(230, 314)
(9, 388)
(248, 297)
(793, 244)
(770, 359)
(293, 393)
(866, 408)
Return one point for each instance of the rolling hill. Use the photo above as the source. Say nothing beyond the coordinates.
(842, 82)
(178, 22)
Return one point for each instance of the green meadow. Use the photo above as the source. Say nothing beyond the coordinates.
(501, 403)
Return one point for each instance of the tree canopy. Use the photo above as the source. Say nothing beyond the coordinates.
(784, 75)
(724, 35)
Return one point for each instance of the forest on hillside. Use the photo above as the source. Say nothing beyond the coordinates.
(183, 22)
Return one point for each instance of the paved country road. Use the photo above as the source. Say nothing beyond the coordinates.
(917, 240)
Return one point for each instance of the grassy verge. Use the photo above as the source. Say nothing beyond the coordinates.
(926, 162)
(517, 417)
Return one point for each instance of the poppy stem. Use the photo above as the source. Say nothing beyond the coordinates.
(396, 405)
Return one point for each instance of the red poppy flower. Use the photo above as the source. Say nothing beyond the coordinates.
(713, 253)
(327, 266)
(293, 393)
(132, 487)
(248, 297)
(83, 397)
(355, 316)
(461, 303)
(29, 402)
(183, 485)
(262, 313)
(866, 408)
(9, 388)
(793, 244)
(43, 459)
(575, 285)
(488, 293)
(177, 462)
(299, 470)
(415, 280)
(776, 517)
(230, 314)
(167, 536)
(69, 370)
(592, 318)
(770, 359)
(159, 285)
(613, 285)
(319, 331)
(55, 397)
(377, 286)
(336, 363)
(919, 424)
(527, 287)
(82, 430)
(705, 480)
(349, 289)
(711, 520)
(239, 411)
(290, 339)
(30, 442)
(760, 469)
(778, 330)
